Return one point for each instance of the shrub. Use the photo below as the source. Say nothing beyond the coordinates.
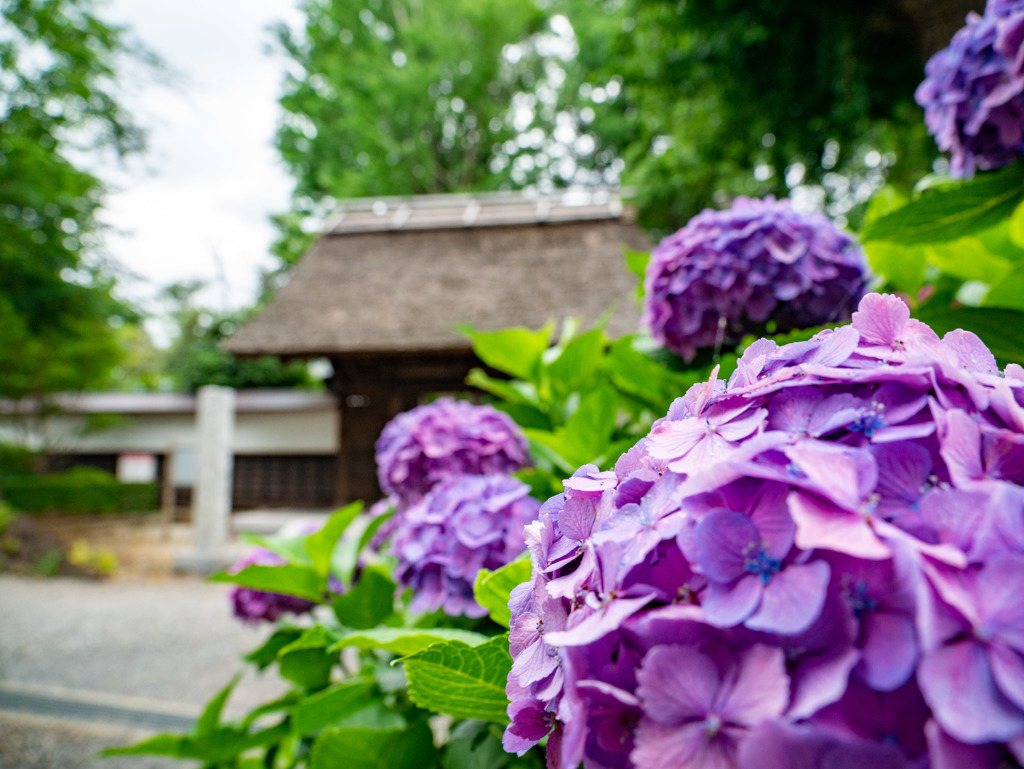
(79, 491)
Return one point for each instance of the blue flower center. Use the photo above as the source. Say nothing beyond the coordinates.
(869, 424)
(857, 598)
(759, 563)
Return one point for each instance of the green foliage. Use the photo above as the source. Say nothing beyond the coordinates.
(299, 581)
(195, 358)
(401, 98)
(953, 251)
(60, 90)
(16, 460)
(695, 96)
(369, 748)
(462, 681)
(492, 588)
(79, 491)
(404, 641)
(584, 400)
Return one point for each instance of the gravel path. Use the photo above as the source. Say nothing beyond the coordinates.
(172, 641)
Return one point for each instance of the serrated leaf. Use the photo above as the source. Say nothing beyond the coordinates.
(300, 581)
(402, 641)
(329, 706)
(953, 212)
(461, 681)
(368, 602)
(492, 588)
(355, 748)
(515, 351)
(320, 544)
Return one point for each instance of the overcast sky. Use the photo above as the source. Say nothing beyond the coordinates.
(196, 206)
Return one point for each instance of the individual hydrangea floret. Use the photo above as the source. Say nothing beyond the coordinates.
(462, 525)
(428, 444)
(726, 274)
(253, 606)
(973, 91)
(817, 563)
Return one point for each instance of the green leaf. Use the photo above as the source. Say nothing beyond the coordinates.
(307, 661)
(472, 746)
(320, 544)
(210, 718)
(361, 748)
(460, 680)
(158, 745)
(903, 267)
(551, 447)
(292, 549)
(493, 588)
(329, 706)
(1008, 291)
(300, 581)
(645, 377)
(267, 653)
(588, 431)
(512, 391)
(1016, 231)
(515, 351)
(400, 640)
(576, 365)
(951, 213)
(368, 602)
(1001, 330)
(636, 262)
(967, 259)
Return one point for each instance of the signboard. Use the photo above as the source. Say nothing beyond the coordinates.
(136, 468)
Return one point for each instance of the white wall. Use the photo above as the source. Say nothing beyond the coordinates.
(295, 432)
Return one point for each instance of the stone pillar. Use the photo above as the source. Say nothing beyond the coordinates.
(215, 427)
(211, 497)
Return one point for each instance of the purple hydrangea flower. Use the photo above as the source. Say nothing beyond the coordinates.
(462, 525)
(727, 273)
(815, 564)
(253, 606)
(429, 444)
(973, 91)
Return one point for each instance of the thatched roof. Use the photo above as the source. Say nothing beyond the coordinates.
(395, 276)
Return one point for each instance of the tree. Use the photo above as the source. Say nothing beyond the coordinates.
(708, 99)
(58, 101)
(195, 359)
(408, 97)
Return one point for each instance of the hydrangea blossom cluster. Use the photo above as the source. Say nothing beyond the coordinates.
(253, 606)
(431, 443)
(816, 564)
(726, 273)
(464, 524)
(973, 91)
